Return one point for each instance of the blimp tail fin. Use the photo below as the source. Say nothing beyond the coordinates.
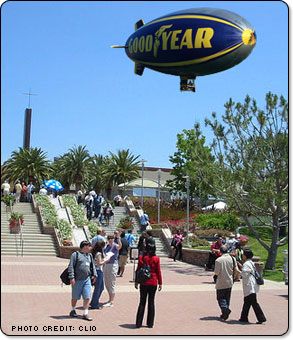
(138, 24)
(138, 69)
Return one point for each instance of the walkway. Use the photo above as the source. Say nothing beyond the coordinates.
(34, 303)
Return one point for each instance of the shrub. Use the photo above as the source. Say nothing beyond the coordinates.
(197, 242)
(65, 230)
(218, 220)
(8, 200)
(126, 223)
(48, 209)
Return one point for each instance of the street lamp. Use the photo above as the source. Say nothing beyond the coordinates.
(187, 210)
(159, 194)
(142, 171)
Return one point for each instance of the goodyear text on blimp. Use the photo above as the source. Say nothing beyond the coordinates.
(172, 40)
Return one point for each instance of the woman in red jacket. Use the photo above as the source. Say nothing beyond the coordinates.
(149, 287)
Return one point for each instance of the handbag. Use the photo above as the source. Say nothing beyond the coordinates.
(65, 275)
(257, 275)
(143, 273)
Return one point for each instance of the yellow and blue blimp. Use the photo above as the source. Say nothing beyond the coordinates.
(190, 43)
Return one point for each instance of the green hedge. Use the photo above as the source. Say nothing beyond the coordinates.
(218, 220)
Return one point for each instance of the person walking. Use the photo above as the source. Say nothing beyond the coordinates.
(250, 289)
(18, 189)
(144, 221)
(149, 287)
(6, 188)
(130, 238)
(30, 191)
(23, 192)
(81, 270)
(99, 258)
(111, 268)
(123, 254)
(224, 281)
(178, 238)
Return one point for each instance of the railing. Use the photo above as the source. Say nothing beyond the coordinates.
(21, 240)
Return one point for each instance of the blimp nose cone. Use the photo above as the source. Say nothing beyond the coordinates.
(249, 37)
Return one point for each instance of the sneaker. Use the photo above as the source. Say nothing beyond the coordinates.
(108, 304)
(73, 314)
(86, 317)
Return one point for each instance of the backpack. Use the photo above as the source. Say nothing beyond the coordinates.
(65, 275)
(143, 273)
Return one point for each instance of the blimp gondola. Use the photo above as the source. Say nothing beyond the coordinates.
(190, 43)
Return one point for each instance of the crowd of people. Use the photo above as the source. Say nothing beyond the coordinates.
(22, 192)
(100, 262)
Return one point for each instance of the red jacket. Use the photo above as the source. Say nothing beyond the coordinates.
(154, 263)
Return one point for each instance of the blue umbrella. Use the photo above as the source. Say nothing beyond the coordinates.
(53, 184)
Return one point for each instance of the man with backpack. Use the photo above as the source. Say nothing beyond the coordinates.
(81, 271)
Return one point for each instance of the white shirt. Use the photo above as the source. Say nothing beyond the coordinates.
(5, 187)
(249, 284)
(43, 191)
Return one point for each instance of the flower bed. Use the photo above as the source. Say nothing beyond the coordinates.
(126, 223)
(78, 214)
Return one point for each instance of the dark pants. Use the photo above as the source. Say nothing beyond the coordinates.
(145, 291)
(249, 301)
(223, 297)
(211, 260)
(97, 210)
(178, 249)
(89, 212)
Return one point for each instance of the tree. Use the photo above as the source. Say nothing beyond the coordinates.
(251, 168)
(190, 146)
(75, 165)
(27, 164)
(122, 168)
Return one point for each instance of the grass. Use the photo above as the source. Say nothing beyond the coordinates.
(259, 250)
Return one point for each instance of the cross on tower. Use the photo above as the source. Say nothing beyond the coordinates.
(29, 94)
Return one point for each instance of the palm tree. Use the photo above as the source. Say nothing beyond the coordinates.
(123, 167)
(75, 165)
(27, 165)
(95, 180)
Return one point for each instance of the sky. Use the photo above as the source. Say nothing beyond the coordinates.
(87, 93)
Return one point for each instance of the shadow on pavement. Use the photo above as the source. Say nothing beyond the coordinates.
(61, 317)
(128, 325)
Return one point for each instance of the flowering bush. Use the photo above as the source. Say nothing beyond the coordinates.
(67, 243)
(14, 219)
(168, 212)
(8, 200)
(126, 223)
(65, 230)
(242, 239)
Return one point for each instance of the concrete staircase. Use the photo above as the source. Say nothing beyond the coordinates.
(34, 242)
(120, 212)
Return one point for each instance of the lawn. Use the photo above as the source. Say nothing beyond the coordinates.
(258, 250)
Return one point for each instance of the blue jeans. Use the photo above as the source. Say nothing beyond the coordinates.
(99, 287)
(223, 297)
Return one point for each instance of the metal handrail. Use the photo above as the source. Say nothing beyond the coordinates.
(21, 241)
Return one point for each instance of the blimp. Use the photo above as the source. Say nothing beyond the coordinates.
(190, 43)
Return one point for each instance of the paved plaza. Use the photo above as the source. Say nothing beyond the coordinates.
(34, 303)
